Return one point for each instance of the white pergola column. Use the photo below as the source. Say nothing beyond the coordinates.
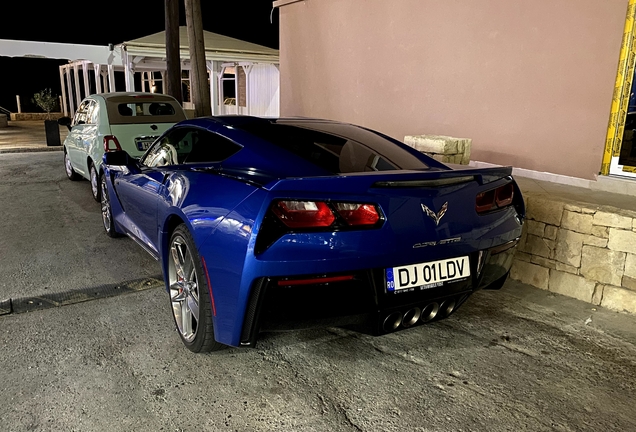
(63, 87)
(247, 68)
(213, 70)
(78, 96)
(163, 81)
(85, 69)
(111, 78)
(69, 88)
(129, 72)
(98, 78)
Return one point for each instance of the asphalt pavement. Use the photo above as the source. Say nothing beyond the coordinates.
(515, 359)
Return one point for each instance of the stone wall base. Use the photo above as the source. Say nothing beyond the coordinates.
(579, 250)
(442, 148)
(34, 116)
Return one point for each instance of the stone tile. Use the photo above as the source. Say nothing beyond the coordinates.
(630, 265)
(600, 231)
(522, 256)
(543, 262)
(572, 208)
(622, 240)
(530, 274)
(629, 283)
(568, 247)
(597, 296)
(612, 220)
(537, 246)
(595, 241)
(586, 210)
(577, 222)
(567, 268)
(602, 265)
(535, 228)
(571, 285)
(545, 210)
(619, 299)
(550, 232)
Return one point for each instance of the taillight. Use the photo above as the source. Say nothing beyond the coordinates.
(304, 214)
(494, 199)
(319, 214)
(109, 142)
(358, 214)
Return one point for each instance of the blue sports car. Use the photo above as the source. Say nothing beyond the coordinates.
(272, 224)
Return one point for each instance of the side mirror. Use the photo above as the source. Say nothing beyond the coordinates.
(121, 158)
(65, 121)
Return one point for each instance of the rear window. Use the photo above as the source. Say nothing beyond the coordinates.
(337, 148)
(149, 111)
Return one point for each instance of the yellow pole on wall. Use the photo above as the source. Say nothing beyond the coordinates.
(622, 90)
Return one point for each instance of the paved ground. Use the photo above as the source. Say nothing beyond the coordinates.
(516, 359)
(27, 135)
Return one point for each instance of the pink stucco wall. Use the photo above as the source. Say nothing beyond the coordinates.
(530, 82)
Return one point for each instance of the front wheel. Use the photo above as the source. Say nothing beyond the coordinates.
(107, 211)
(189, 295)
(68, 167)
(96, 189)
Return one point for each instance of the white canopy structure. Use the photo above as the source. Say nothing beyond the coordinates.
(252, 68)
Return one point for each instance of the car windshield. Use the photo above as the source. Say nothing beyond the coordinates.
(128, 110)
(337, 148)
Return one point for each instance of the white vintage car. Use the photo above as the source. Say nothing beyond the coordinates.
(114, 121)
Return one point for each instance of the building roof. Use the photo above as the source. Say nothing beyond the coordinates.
(217, 47)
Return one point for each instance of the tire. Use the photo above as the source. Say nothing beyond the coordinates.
(189, 295)
(70, 172)
(96, 188)
(107, 212)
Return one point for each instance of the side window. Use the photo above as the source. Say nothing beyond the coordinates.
(93, 113)
(170, 150)
(185, 145)
(80, 115)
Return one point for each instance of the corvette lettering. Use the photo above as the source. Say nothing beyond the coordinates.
(435, 243)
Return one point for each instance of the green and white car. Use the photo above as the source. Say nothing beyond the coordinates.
(114, 121)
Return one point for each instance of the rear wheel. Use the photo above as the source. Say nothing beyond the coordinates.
(107, 212)
(189, 295)
(70, 172)
(96, 189)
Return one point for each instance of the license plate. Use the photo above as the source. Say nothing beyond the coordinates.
(427, 275)
(143, 145)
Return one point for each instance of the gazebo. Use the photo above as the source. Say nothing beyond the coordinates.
(244, 77)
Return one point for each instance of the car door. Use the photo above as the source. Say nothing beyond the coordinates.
(75, 142)
(138, 192)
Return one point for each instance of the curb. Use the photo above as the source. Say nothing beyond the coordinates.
(31, 149)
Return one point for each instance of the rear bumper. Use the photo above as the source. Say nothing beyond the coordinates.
(363, 303)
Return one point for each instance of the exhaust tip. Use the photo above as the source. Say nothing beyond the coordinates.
(411, 317)
(392, 322)
(447, 307)
(429, 312)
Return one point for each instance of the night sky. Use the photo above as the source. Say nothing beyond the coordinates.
(114, 21)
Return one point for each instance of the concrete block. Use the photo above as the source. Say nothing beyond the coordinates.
(577, 222)
(622, 240)
(630, 265)
(600, 231)
(530, 274)
(550, 232)
(567, 268)
(543, 262)
(571, 285)
(619, 299)
(629, 283)
(568, 247)
(545, 210)
(612, 220)
(602, 265)
(537, 246)
(535, 228)
(595, 241)
(597, 297)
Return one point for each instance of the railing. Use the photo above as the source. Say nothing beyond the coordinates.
(5, 111)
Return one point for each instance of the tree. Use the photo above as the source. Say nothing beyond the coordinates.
(198, 69)
(46, 100)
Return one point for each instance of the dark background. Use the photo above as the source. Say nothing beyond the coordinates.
(114, 21)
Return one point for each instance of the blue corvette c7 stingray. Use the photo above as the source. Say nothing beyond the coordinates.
(271, 224)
